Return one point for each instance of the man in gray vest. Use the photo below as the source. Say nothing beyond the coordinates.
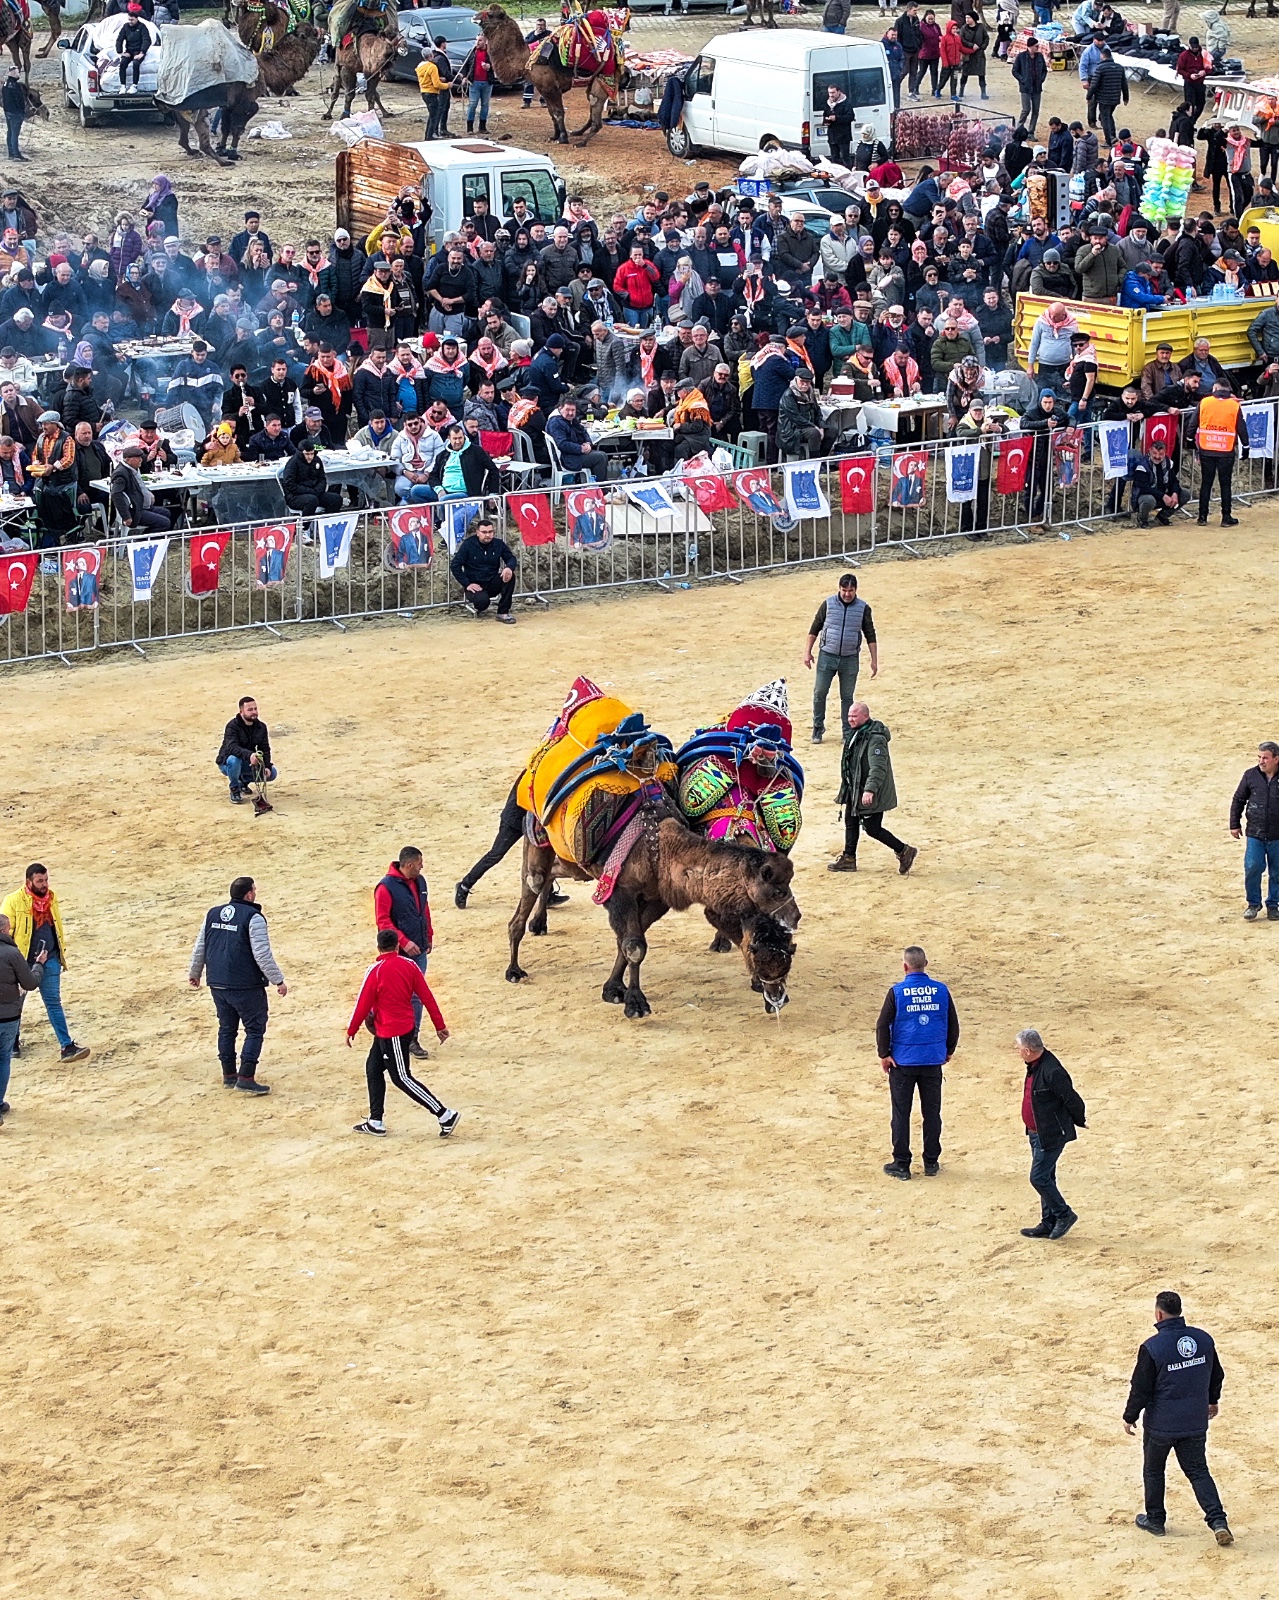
(235, 951)
(841, 623)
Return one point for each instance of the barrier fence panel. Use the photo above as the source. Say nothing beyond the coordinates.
(66, 602)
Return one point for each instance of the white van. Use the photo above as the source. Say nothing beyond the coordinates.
(748, 91)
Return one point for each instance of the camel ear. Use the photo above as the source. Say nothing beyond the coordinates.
(766, 870)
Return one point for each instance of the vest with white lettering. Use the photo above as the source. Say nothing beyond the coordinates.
(920, 1025)
(1218, 424)
(1184, 1359)
(228, 956)
(842, 632)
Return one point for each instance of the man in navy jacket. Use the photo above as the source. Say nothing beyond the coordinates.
(1177, 1383)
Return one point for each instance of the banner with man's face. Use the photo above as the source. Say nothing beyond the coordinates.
(412, 543)
(80, 569)
(271, 546)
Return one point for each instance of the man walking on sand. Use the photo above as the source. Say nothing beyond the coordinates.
(385, 1002)
(1051, 1111)
(841, 623)
(1255, 804)
(1177, 1383)
(36, 923)
(916, 1035)
(400, 903)
(233, 947)
(867, 790)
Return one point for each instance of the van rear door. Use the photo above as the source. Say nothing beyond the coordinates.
(862, 74)
(699, 102)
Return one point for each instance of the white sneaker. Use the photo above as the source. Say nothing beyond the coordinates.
(369, 1126)
(448, 1121)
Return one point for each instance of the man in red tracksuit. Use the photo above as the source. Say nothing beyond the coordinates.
(386, 997)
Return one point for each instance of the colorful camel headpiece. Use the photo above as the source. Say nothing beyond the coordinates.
(738, 780)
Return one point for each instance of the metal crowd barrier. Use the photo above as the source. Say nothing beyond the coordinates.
(678, 550)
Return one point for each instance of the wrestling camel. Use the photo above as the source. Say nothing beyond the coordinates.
(512, 64)
(370, 54)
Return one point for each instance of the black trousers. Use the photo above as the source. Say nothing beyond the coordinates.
(873, 822)
(308, 504)
(510, 830)
(392, 1056)
(902, 1083)
(1218, 465)
(1192, 1458)
(503, 591)
(1196, 98)
(236, 1006)
(974, 515)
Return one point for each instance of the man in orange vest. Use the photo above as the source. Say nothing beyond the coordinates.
(1219, 425)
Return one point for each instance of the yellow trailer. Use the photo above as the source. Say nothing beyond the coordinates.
(1266, 219)
(1126, 339)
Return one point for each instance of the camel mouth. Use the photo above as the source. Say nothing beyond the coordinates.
(775, 997)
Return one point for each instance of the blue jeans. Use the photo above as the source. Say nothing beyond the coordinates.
(1043, 1177)
(414, 494)
(638, 319)
(480, 95)
(420, 963)
(828, 669)
(51, 994)
(232, 769)
(1260, 854)
(236, 1006)
(1080, 413)
(8, 1033)
(13, 127)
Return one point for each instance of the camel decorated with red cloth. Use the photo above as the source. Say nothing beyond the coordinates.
(583, 53)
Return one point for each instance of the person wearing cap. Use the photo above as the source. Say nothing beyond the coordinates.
(343, 277)
(801, 433)
(15, 212)
(1042, 420)
(1098, 264)
(1218, 426)
(1137, 291)
(53, 467)
(132, 502)
(18, 106)
(1155, 485)
(1159, 374)
(979, 426)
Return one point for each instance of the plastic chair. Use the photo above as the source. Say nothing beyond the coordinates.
(753, 447)
(524, 451)
(559, 474)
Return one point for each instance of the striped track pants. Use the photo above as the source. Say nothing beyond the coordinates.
(392, 1056)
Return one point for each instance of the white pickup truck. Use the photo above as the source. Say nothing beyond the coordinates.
(449, 175)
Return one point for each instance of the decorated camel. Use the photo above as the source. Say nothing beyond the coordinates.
(207, 67)
(15, 36)
(738, 781)
(367, 53)
(599, 793)
(584, 52)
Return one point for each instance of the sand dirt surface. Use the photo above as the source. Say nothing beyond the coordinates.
(78, 178)
(653, 1322)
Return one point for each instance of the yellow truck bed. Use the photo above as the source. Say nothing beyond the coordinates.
(1126, 339)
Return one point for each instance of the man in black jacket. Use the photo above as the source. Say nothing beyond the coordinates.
(305, 484)
(17, 980)
(1051, 1110)
(271, 443)
(1155, 486)
(1108, 86)
(244, 755)
(1177, 1383)
(1256, 804)
(485, 566)
(131, 500)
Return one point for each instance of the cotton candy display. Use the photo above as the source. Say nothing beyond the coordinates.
(1169, 177)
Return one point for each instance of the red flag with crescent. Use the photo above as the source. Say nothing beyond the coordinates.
(1013, 462)
(1162, 429)
(709, 489)
(206, 561)
(533, 517)
(857, 485)
(17, 574)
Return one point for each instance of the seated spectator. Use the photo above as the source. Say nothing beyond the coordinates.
(305, 483)
(271, 443)
(1155, 486)
(800, 430)
(378, 434)
(413, 454)
(220, 448)
(576, 451)
(463, 469)
(131, 501)
(485, 566)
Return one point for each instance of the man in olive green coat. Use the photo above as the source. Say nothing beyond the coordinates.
(867, 790)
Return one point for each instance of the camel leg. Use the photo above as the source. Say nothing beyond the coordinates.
(555, 105)
(55, 31)
(728, 932)
(630, 918)
(595, 121)
(327, 114)
(534, 878)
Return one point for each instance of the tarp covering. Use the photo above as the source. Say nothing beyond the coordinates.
(200, 58)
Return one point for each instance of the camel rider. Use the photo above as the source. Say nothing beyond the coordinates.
(360, 17)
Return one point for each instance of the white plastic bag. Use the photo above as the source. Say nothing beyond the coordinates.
(363, 125)
(269, 130)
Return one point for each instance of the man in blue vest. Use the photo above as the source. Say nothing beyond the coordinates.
(234, 951)
(916, 1035)
(400, 903)
(841, 623)
(1177, 1383)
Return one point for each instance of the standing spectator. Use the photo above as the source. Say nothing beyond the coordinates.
(915, 1036)
(17, 978)
(867, 790)
(485, 567)
(910, 38)
(837, 118)
(1255, 803)
(35, 922)
(975, 37)
(1108, 86)
(1193, 69)
(1030, 71)
(1051, 1110)
(1220, 423)
(952, 53)
(929, 52)
(433, 85)
(400, 903)
(835, 16)
(244, 756)
(1177, 1383)
(17, 108)
(1098, 265)
(841, 623)
(896, 64)
(392, 990)
(234, 949)
(481, 90)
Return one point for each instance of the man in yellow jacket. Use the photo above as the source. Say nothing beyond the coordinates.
(435, 91)
(36, 922)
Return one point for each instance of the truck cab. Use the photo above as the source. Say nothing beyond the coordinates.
(446, 176)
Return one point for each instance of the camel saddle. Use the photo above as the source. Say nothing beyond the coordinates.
(585, 45)
(738, 779)
(588, 784)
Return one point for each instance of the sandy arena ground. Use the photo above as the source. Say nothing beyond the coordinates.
(653, 1323)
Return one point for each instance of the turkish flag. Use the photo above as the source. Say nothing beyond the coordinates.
(710, 491)
(206, 561)
(17, 574)
(1162, 429)
(857, 485)
(533, 517)
(1012, 464)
